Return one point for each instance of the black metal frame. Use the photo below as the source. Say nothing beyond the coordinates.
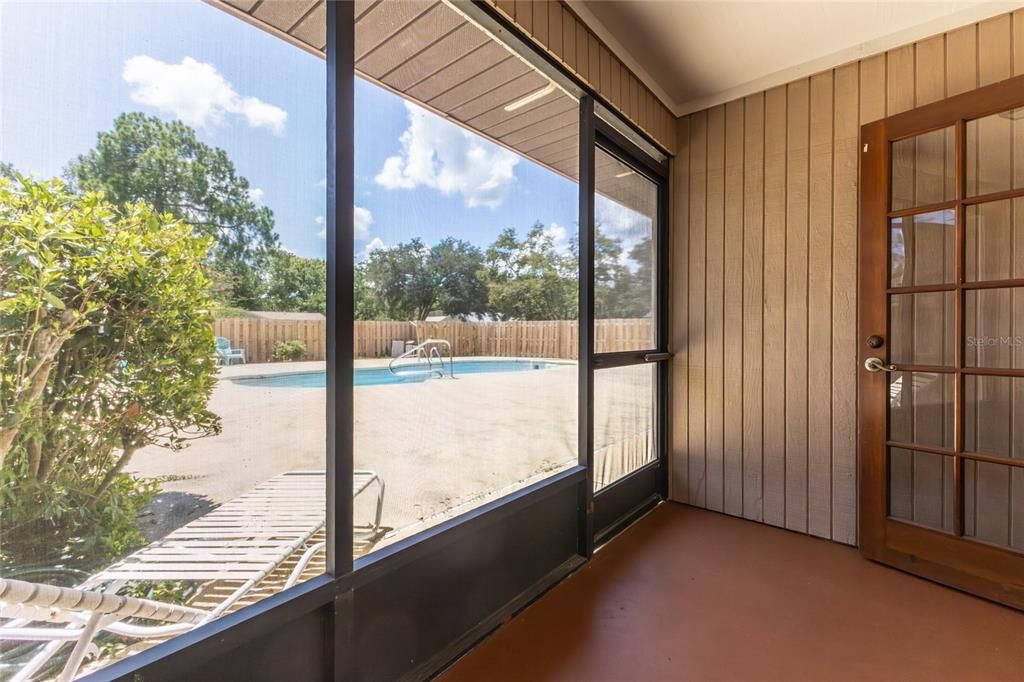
(340, 303)
(497, 558)
(585, 412)
(628, 498)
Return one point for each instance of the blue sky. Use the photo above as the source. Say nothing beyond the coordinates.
(68, 69)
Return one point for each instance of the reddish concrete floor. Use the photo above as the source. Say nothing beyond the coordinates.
(687, 594)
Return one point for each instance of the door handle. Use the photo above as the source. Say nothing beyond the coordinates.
(657, 357)
(876, 365)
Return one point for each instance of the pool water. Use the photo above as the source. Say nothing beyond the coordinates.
(408, 373)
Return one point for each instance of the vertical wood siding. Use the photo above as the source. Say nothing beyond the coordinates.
(555, 27)
(764, 283)
(752, 221)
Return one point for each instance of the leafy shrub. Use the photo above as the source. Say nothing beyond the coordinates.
(288, 351)
(59, 523)
(105, 340)
(222, 312)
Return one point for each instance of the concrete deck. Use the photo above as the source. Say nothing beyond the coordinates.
(442, 446)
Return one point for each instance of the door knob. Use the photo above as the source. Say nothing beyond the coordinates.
(876, 365)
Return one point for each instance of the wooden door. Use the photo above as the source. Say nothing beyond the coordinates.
(941, 403)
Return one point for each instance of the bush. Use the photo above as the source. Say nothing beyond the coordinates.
(105, 339)
(288, 351)
(220, 312)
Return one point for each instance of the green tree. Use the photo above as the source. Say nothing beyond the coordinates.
(364, 298)
(7, 170)
(296, 283)
(410, 280)
(144, 158)
(622, 284)
(530, 279)
(640, 298)
(105, 347)
(456, 265)
(611, 277)
(401, 279)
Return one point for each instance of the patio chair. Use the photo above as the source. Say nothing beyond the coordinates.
(362, 479)
(242, 541)
(226, 353)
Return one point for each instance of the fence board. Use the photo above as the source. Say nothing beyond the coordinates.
(556, 339)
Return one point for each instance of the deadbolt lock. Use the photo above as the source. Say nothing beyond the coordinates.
(875, 341)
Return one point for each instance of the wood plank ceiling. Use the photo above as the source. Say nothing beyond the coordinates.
(427, 52)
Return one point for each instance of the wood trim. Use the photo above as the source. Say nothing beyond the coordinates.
(993, 284)
(945, 452)
(922, 289)
(994, 196)
(959, 264)
(984, 101)
(992, 371)
(985, 570)
(931, 369)
(873, 319)
(992, 459)
(924, 210)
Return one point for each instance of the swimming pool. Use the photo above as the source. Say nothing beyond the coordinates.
(409, 373)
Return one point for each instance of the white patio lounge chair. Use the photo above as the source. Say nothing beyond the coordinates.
(241, 541)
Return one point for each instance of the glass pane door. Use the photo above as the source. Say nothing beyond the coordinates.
(624, 421)
(956, 333)
(625, 217)
(628, 367)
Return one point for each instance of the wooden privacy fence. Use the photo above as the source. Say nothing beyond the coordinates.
(372, 338)
(536, 339)
(258, 336)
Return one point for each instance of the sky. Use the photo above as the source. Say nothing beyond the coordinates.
(68, 69)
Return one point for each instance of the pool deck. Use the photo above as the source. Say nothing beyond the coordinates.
(441, 446)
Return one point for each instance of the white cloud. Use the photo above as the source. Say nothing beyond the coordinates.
(256, 195)
(619, 222)
(559, 236)
(376, 244)
(259, 114)
(363, 219)
(196, 93)
(442, 156)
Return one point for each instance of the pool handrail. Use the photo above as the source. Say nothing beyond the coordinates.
(428, 349)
